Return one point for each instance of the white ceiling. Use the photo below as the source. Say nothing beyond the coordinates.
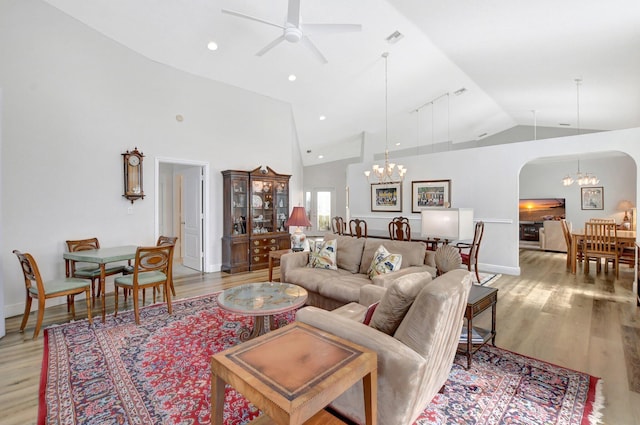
(512, 56)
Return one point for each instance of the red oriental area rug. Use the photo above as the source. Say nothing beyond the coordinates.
(158, 373)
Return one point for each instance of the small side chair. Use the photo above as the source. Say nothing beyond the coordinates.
(88, 271)
(152, 269)
(36, 288)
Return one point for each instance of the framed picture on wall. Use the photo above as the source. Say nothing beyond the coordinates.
(386, 197)
(430, 193)
(592, 198)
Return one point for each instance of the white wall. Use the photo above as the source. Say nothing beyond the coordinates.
(73, 102)
(488, 178)
(2, 246)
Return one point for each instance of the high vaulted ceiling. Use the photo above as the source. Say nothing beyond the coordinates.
(518, 61)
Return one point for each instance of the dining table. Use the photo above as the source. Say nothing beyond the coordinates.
(625, 238)
(102, 257)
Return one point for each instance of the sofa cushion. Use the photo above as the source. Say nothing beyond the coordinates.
(312, 279)
(349, 251)
(396, 301)
(384, 262)
(324, 256)
(413, 253)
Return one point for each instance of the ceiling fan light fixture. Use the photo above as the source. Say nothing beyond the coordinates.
(292, 34)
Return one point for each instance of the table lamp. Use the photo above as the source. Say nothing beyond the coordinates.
(298, 218)
(447, 223)
(626, 206)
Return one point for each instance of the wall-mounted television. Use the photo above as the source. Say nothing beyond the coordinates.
(540, 209)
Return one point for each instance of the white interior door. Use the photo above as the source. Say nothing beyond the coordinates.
(193, 218)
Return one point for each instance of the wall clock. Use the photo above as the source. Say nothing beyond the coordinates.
(133, 175)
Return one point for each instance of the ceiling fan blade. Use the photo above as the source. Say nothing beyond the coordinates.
(271, 45)
(252, 18)
(307, 42)
(293, 14)
(331, 28)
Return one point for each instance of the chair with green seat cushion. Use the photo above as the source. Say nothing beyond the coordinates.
(36, 288)
(152, 269)
(91, 271)
(162, 240)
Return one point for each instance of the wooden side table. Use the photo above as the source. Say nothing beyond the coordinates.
(275, 255)
(293, 373)
(480, 299)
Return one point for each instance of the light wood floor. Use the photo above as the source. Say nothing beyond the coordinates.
(587, 323)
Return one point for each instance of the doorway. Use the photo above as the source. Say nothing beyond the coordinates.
(182, 209)
(320, 206)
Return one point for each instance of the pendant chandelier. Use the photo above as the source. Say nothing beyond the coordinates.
(581, 179)
(389, 172)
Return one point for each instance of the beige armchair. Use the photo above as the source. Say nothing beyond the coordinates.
(552, 236)
(413, 363)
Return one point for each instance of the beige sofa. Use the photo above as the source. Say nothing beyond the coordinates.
(330, 289)
(551, 236)
(415, 361)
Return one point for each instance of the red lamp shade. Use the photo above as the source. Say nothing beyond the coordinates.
(298, 217)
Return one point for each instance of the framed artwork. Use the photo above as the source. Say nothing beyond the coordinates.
(386, 197)
(592, 198)
(430, 193)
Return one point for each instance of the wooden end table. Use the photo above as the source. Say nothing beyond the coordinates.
(480, 299)
(293, 373)
(275, 255)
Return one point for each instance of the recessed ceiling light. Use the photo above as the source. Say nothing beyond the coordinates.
(398, 144)
(212, 45)
(322, 118)
(292, 77)
(565, 124)
(320, 156)
(482, 135)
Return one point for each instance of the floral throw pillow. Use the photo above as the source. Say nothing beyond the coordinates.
(324, 255)
(384, 262)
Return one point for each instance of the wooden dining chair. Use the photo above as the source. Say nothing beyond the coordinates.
(85, 270)
(337, 225)
(400, 229)
(37, 288)
(470, 257)
(168, 240)
(358, 228)
(601, 241)
(152, 269)
(602, 220)
(566, 231)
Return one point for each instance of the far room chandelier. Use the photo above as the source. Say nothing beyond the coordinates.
(389, 172)
(581, 179)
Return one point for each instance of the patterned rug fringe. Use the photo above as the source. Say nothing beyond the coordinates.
(595, 417)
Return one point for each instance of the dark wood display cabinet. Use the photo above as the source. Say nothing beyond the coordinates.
(256, 206)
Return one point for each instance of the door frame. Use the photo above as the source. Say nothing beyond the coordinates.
(206, 243)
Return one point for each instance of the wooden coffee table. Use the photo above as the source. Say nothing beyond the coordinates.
(293, 373)
(262, 299)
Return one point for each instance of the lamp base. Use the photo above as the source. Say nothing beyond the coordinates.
(297, 240)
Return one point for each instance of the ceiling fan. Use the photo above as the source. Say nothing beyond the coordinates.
(294, 31)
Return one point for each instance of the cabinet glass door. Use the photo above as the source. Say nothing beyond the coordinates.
(239, 206)
(262, 207)
(281, 205)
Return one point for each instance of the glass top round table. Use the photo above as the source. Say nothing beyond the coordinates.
(261, 299)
